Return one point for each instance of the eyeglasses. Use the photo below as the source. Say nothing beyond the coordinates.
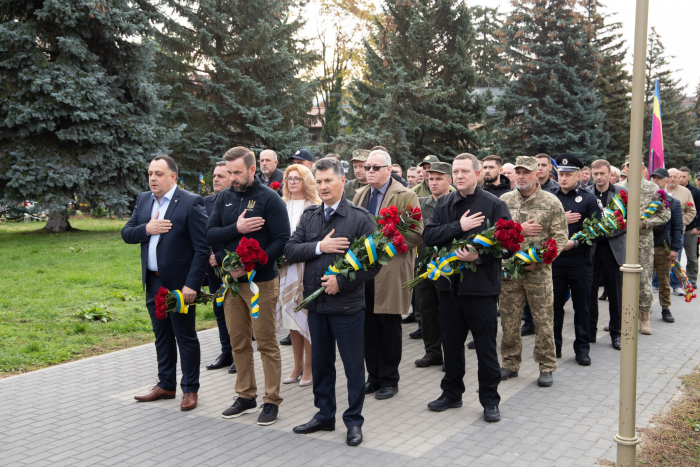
(294, 180)
(374, 167)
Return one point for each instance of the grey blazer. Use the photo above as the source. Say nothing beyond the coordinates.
(618, 240)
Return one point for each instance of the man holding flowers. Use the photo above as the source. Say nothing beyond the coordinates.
(542, 218)
(469, 304)
(385, 299)
(338, 314)
(251, 211)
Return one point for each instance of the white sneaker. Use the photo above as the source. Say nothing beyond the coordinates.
(678, 291)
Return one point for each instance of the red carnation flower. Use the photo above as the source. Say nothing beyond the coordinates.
(623, 197)
(161, 303)
(248, 267)
(263, 258)
(389, 231)
(275, 185)
(550, 253)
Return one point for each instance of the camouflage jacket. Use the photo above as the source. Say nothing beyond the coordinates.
(351, 188)
(427, 204)
(422, 190)
(547, 211)
(648, 195)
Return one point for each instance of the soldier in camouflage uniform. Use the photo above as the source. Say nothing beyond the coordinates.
(359, 157)
(543, 217)
(646, 249)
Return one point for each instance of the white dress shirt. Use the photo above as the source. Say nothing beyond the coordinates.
(334, 207)
(161, 209)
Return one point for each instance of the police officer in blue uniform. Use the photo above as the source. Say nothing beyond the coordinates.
(572, 268)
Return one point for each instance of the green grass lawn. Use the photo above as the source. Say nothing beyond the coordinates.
(46, 279)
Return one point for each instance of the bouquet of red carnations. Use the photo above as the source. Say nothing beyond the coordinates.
(613, 218)
(545, 253)
(275, 186)
(248, 253)
(173, 302)
(503, 237)
(380, 247)
(689, 290)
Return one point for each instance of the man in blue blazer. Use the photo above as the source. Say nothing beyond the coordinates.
(169, 223)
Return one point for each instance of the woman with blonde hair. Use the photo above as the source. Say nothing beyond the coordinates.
(299, 192)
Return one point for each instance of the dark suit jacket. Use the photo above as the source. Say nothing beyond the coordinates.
(218, 250)
(183, 252)
(618, 240)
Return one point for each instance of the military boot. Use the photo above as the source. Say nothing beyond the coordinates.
(644, 326)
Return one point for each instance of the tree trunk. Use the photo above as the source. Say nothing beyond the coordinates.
(58, 222)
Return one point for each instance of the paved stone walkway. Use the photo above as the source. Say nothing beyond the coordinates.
(83, 413)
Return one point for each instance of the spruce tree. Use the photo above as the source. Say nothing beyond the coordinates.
(613, 82)
(550, 103)
(416, 97)
(79, 105)
(487, 46)
(234, 68)
(679, 124)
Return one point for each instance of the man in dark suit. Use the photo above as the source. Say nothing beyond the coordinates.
(221, 182)
(169, 223)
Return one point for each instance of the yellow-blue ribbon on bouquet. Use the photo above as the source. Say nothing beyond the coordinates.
(529, 256)
(221, 293)
(390, 250)
(332, 271)
(352, 259)
(620, 205)
(180, 306)
(483, 241)
(440, 268)
(254, 306)
(371, 249)
(651, 210)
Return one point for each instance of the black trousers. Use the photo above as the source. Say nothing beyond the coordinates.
(175, 332)
(458, 316)
(224, 337)
(348, 332)
(606, 265)
(383, 337)
(572, 273)
(427, 302)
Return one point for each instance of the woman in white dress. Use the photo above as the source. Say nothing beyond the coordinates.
(299, 192)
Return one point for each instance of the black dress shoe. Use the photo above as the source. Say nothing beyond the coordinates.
(506, 374)
(527, 330)
(617, 343)
(443, 403)
(417, 334)
(371, 388)
(471, 345)
(558, 353)
(583, 359)
(312, 427)
(232, 370)
(286, 341)
(426, 361)
(667, 316)
(220, 362)
(492, 414)
(387, 392)
(354, 436)
(409, 319)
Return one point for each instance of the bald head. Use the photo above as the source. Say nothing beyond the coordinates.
(268, 162)
(509, 172)
(672, 178)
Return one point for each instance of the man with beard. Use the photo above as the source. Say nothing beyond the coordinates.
(269, 173)
(244, 211)
(495, 184)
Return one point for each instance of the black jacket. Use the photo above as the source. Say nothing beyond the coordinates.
(349, 221)
(500, 189)
(444, 227)
(672, 231)
(211, 278)
(259, 201)
(695, 223)
(182, 252)
(550, 186)
(277, 176)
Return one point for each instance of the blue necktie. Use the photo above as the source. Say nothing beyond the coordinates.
(329, 212)
(372, 208)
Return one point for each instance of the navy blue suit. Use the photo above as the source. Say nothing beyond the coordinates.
(182, 255)
(215, 283)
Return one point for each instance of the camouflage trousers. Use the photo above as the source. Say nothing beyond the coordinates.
(540, 296)
(646, 261)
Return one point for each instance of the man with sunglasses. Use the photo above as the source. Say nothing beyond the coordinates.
(385, 300)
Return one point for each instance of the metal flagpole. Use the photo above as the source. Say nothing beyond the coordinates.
(627, 438)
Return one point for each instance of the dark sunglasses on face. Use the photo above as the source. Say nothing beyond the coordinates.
(374, 167)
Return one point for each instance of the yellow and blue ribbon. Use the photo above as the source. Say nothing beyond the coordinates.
(390, 250)
(529, 256)
(221, 293)
(180, 306)
(483, 241)
(352, 259)
(440, 268)
(371, 250)
(620, 205)
(254, 306)
(651, 210)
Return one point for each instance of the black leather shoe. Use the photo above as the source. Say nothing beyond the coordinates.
(312, 427)
(220, 362)
(583, 359)
(506, 373)
(354, 436)
(471, 345)
(286, 341)
(417, 334)
(617, 343)
(443, 403)
(409, 319)
(558, 353)
(667, 316)
(527, 330)
(371, 388)
(387, 392)
(492, 414)
(232, 369)
(426, 361)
